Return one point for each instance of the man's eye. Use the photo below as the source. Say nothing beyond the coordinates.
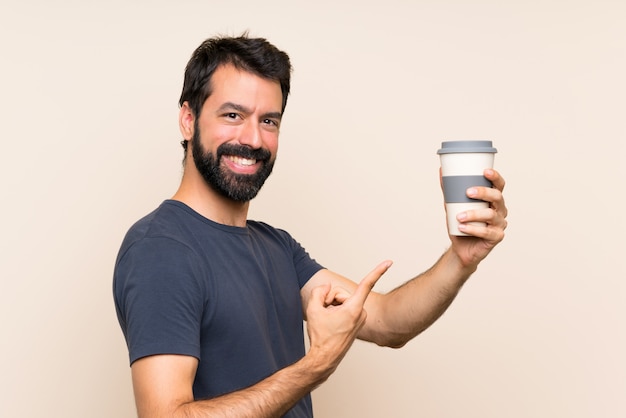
(270, 122)
(231, 115)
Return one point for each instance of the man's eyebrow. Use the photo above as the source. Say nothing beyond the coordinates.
(233, 106)
(272, 115)
(243, 109)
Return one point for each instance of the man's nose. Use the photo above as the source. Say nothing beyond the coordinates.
(251, 135)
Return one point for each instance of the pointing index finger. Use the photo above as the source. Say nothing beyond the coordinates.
(367, 284)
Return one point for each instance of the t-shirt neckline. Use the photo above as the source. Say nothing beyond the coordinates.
(242, 230)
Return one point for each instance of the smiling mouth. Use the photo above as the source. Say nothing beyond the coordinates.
(240, 160)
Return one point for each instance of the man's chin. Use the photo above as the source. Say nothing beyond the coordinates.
(238, 193)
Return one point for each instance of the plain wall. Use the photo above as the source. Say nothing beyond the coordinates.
(90, 143)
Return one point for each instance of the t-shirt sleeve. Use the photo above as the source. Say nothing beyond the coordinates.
(305, 266)
(159, 298)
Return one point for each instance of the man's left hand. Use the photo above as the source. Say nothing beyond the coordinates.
(472, 249)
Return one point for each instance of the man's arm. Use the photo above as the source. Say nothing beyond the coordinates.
(393, 319)
(398, 316)
(163, 383)
(163, 388)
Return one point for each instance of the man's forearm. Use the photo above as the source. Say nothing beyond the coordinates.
(272, 397)
(411, 308)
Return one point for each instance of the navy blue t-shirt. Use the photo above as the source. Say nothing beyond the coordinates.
(229, 296)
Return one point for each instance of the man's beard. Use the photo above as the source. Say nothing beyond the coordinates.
(237, 187)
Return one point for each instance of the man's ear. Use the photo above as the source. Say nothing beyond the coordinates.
(186, 119)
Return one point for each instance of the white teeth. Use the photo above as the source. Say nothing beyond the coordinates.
(241, 161)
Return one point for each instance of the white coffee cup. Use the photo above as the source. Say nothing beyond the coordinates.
(462, 166)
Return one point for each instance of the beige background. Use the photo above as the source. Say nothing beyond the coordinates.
(90, 144)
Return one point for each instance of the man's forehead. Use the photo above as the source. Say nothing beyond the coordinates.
(233, 85)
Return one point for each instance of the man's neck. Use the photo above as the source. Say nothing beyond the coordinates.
(195, 193)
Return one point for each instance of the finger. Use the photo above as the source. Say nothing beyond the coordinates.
(489, 233)
(319, 294)
(367, 284)
(472, 223)
(337, 296)
(486, 215)
(486, 194)
(495, 178)
(491, 195)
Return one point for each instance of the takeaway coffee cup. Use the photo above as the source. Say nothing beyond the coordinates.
(462, 167)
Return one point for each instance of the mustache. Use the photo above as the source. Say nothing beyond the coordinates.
(243, 151)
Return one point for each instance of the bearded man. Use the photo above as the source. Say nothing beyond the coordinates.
(212, 304)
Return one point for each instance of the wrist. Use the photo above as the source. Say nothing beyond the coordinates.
(315, 367)
(457, 266)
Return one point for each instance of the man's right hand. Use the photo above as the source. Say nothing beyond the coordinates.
(334, 317)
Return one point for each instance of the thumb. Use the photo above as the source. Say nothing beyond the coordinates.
(319, 294)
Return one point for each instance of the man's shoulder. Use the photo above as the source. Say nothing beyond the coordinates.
(168, 223)
(266, 230)
(169, 218)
